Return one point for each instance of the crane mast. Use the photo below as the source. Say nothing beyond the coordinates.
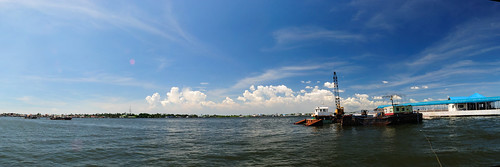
(339, 111)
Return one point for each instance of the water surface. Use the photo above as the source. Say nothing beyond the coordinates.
(472, 141)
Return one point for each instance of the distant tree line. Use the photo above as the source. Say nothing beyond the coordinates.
(145, 115)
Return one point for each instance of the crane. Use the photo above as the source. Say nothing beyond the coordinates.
(339, 111)
(392, 97)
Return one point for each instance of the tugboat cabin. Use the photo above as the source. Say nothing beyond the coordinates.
(322, 111)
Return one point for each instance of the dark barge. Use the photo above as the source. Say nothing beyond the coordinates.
(60, 118)
(392, 115)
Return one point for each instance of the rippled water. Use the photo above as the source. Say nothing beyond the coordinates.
(473, 141)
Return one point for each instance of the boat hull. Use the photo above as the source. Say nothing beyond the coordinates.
(61, 118)
(353, 120)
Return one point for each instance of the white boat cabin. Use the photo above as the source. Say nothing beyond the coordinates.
(322, 111)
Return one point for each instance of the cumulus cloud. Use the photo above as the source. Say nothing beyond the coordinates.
(360, 102)
(425, 87)
(260, 99)
(228, 101)
(263, 93)
(329, 85)
(377, 98)
(153, 99)
(414, 87)
(174, 96)
(385, 82)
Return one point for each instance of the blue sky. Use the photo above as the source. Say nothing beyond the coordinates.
(242, 57)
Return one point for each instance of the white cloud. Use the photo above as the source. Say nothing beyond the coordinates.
(396, 97)
(305, 82)
(203, 83)
(260, 99)
(360, 102)
(329, 85)
(193, 96)
(365, 96)
(174, 96)
(377, 97)
(419, 87)
(153, 99)
(262, 93)
(252, 88)
(228, 101)
(385, 82)
(309, 87)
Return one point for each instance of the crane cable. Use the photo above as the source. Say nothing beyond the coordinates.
(430, 144)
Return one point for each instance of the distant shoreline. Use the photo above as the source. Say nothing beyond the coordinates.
(146, 115)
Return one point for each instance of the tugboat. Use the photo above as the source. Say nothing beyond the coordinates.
(321, 115)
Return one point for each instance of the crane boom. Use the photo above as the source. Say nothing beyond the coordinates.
(339, 111)
(336, 90)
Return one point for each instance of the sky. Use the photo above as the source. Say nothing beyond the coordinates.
(242, 57)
